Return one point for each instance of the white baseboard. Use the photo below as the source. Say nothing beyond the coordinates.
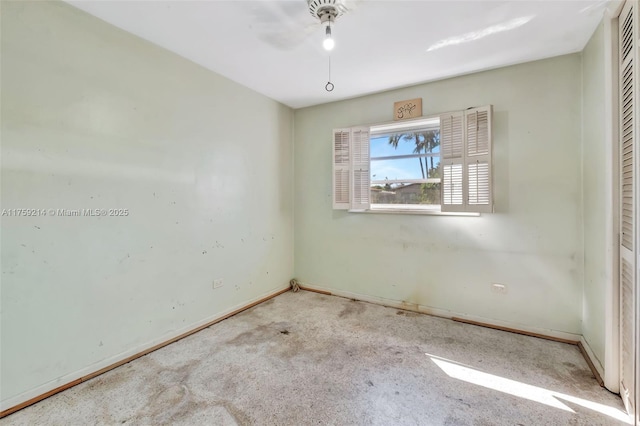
(445, 313)
(138, 350)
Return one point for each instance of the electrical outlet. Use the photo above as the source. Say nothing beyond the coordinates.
(218, 283)
(499, 288)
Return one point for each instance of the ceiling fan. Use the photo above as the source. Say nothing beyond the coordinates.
(285, 24)
(327, 11)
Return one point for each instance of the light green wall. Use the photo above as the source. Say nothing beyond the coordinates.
(93, 117)
(533, 243)
(595, 193)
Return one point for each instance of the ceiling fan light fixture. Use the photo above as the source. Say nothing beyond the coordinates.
(326, 10)
(328, 43)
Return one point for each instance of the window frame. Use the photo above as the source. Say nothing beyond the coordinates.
(463, 139)
(395, 127)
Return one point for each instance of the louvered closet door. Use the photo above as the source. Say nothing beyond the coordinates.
(628, 87)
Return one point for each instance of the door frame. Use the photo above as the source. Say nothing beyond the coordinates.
(612, 363)
(612, 270)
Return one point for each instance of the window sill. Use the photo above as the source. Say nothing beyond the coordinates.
(423, 212)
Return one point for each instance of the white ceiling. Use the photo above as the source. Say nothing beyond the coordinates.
(274, 47)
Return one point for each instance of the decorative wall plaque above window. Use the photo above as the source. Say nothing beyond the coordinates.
(411, 108)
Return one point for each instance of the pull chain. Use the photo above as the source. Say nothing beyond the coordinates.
(329, 87)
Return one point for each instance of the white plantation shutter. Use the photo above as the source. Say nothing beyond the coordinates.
(478, 159)
(465, 144)
(452, 161)
(466, 167)
(361, 178)
(341, 169)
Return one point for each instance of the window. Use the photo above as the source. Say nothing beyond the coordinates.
(439, 163)
(405, 165)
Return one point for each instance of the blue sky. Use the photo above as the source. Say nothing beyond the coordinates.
(408, 168)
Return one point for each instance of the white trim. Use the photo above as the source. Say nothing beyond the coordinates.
(68, 378)
(592, 356)
(390, 181)
(425, 212)
(614, 8)
(611, 376)
(424, 117)
(405, 156)
(443, 313)
(382, 129)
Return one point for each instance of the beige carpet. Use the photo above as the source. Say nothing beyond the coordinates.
(304, 358)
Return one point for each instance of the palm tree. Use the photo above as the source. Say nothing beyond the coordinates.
(431, 142)
(425, 141)
(395, 139)
(420, 145)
